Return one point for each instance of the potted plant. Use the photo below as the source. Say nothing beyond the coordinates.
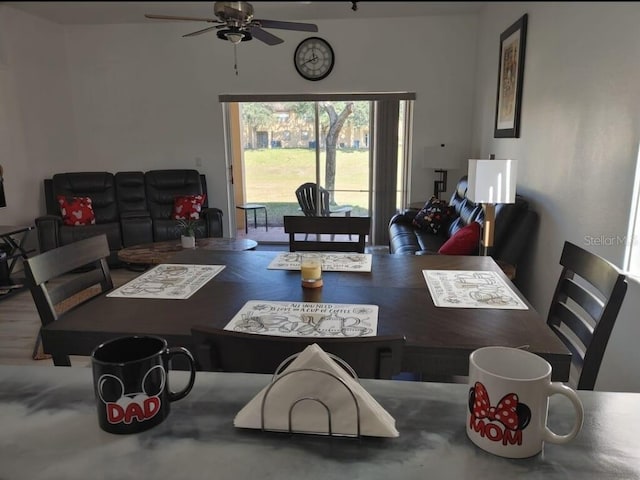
(187, 227)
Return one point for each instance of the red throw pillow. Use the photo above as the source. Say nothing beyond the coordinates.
(188, 207)
(464, 242)
(76, 210)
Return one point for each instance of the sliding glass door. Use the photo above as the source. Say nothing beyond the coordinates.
(328, 142)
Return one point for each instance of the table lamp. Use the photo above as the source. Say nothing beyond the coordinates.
(491, 182)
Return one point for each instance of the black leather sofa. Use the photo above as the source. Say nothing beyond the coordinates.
(514, 225)
(129, 207)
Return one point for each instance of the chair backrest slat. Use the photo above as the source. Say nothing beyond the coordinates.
(228, 351)
(84, 280)
(596, 270)
(598, 292)
(577, 350)
(297, 225)
(587, 300)
(578, 325)
(54, 263)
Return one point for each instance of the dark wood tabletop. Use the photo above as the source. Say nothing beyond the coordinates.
(439, 340)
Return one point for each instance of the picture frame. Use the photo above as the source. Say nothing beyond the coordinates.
(510, 76)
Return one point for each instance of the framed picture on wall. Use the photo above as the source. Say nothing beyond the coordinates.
(510, 72)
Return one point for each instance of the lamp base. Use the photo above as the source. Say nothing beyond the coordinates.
(486, 242)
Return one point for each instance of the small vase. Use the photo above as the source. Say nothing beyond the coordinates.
(188, 242)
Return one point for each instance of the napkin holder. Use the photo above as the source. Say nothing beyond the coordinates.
(318, 394)
(329, 430)
(280, 374)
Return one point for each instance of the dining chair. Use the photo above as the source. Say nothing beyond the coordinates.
(295, 226)
(584, 309)
(229, 351)
(65, 277)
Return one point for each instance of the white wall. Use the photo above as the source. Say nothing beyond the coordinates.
(36, 127)
(144, 97)
(580, 131)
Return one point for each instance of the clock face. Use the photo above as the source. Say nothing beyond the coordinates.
(314, 58)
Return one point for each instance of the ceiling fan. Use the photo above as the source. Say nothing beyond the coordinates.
(235, 23)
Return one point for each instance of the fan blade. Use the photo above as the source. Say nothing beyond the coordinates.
(265, 36)
(199, 32)
(192, 19)
(301, 27)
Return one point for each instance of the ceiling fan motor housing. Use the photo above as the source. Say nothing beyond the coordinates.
(234, 13)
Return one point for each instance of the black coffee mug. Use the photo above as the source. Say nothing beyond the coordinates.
(130, 380)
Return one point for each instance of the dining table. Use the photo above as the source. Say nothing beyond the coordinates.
(438, 339)
(50, 431)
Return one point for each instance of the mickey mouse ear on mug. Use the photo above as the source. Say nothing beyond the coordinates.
(509, 411)
(154, 380)
(110, 388)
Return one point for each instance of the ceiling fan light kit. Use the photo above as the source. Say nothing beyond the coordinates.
(235, 36)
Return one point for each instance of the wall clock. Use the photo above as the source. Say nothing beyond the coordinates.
(314, 58)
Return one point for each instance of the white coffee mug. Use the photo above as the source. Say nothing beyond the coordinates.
(508, 402)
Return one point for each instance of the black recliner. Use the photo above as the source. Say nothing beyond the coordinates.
(162, 186)
(101, 188)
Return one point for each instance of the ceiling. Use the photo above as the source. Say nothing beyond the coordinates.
(133, 12)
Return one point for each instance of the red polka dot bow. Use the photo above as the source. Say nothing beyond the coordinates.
(504, 412)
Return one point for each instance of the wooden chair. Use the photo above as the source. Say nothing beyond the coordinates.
(359, 226)
(584, 308)
(228, 351)
(57, 286)
(307, 195)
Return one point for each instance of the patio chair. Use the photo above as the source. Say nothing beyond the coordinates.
(307, 195)
(359, 226)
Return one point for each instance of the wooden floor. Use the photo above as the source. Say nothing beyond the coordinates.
(20, 323)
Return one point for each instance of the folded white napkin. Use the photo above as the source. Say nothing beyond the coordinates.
(310, 416)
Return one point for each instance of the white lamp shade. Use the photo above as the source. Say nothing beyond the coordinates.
(492, 181)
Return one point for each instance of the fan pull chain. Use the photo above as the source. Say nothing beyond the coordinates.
(235, 59)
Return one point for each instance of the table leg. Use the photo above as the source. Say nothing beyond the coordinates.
(246, 225)
(255, 218)
(266, 220)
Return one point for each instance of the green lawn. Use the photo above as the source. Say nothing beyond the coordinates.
(272, 176)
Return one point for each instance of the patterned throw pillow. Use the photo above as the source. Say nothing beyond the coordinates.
(188, 207)
(434, 216)
(76, 210)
